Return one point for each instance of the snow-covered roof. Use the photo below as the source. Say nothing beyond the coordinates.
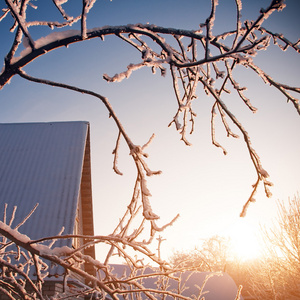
(42, 163)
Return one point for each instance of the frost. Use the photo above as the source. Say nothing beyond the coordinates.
(240, 59)
(177, 123)
(145, 190)
(150, 173)
(61, 2)
(149, 141)
(119, 77)
(146, 54)
(133, 67)
(239, 4)
(32, 5)
(148, 213)
(263, 172)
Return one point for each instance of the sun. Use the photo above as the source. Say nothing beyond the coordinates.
(245, 241)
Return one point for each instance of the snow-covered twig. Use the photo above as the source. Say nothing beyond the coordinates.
(283, 88)
(115, 153)
(20, 17)
(262, 175)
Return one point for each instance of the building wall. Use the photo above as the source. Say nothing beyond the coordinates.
(86, 203)
(78, 228)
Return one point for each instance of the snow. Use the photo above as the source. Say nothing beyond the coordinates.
(14, 233)
(239, 4)
(55, 36)
(61, 2)
(145, 189)
(119, 77)
(42, 249)
(57, 251)
(46, 40)
(60, 35)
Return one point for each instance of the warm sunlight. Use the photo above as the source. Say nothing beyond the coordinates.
(245, 241)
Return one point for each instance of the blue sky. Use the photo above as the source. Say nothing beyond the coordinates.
(207, 188)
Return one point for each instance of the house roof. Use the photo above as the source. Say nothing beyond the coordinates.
(42, 163)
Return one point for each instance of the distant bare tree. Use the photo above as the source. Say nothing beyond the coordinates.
(211, 256)
(194, 58)
(278, 276)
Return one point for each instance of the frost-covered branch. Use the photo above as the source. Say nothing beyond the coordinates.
(39, 256)
(195, 59)
(45, 252)
(19, 14)
(186, 66)
(283, 88)
(135, 151)
(262, 174)
(115, 153)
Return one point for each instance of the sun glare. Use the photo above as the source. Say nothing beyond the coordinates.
(245, 244)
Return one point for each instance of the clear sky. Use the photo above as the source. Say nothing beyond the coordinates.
(207, 188)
